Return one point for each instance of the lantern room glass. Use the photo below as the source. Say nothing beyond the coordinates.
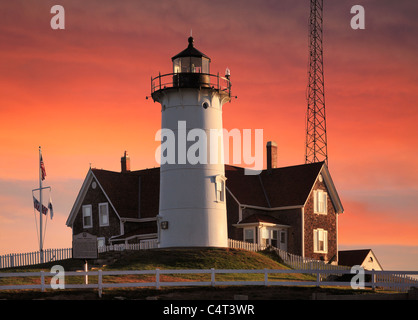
(191, 65)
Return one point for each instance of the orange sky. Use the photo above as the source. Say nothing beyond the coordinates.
(80, 94)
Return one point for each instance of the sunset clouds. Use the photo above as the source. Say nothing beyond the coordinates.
(81, 92)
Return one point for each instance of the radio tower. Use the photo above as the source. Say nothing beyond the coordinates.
(316, 131)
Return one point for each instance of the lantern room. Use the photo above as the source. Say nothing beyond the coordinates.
(191, 70)
(191, 60)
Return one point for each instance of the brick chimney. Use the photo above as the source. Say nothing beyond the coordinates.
(125, 163)
(271, 155)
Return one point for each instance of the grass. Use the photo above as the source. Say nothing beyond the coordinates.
(164, 259)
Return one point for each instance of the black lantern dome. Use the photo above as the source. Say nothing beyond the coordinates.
(191, 60)
(191, 69)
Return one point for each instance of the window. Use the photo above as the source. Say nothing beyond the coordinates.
(282, 237)
(320, 202)
(274, 237)
(103, 214)
(87, 218)
(220, 188)
(269, 237)
(249, 235)
(320, 241)
(101, 242)
(176, 65)
(205, 65)
(265, 236)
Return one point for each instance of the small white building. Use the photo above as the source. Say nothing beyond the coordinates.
(364, 258)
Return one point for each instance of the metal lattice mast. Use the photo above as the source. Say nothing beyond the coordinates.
(316, 132)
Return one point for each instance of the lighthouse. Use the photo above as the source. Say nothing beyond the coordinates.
(192, 207)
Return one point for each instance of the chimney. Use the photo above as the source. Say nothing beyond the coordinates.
(271, 155)
(125, 163)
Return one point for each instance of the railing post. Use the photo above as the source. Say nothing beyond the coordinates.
(99, 284)
(266, 277)
(159, 78)
(212, 277)
(373, 279)
(157, 278)
(42, 281)
(318, 278)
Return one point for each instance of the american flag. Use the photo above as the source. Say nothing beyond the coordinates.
(37, 206)
(43, 169)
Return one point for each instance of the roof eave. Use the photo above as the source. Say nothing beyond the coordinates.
(332, 190)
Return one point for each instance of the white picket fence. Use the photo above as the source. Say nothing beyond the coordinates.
(30, 258)
(49, 255)
(100, 284)
(292, 260)
(398, 281)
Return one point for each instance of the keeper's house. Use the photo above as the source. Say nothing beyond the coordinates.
(293, 208)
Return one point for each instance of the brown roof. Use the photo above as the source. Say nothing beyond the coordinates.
(279, 187)
(352, 257)
(255, 218)
(126, 189)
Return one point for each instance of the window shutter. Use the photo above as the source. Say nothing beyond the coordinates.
(315, 201)
(324, 200)
(315, 240)
(325, 241)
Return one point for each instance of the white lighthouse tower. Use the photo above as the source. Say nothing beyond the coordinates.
(192, 210)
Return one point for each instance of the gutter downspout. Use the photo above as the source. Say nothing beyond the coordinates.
(302, 211)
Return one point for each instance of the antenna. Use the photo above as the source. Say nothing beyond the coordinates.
(316, 132)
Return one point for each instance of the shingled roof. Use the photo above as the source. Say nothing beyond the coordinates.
(128, 189)
(352, 257)
(274, 188)
(278, 187)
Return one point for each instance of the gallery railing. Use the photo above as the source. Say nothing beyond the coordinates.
(191, 80)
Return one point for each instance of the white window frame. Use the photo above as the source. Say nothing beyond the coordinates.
(106, 205)
(254, 236)
(84, 208)
(101, 239)
(220, 188)
(320, 235)
(320, 202)
(266, 236)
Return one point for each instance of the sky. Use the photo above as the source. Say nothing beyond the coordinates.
(80, 93)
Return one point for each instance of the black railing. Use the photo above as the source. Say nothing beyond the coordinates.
(191, 80)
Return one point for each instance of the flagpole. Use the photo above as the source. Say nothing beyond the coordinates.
(40, 210)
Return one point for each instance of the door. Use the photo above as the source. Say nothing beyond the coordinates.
(283, 240)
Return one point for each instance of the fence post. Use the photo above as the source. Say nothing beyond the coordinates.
(42, 281)
(318, 278)
(266, 277)
(212, 277)
(99, 283)
(373, 279)
(157, 278)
